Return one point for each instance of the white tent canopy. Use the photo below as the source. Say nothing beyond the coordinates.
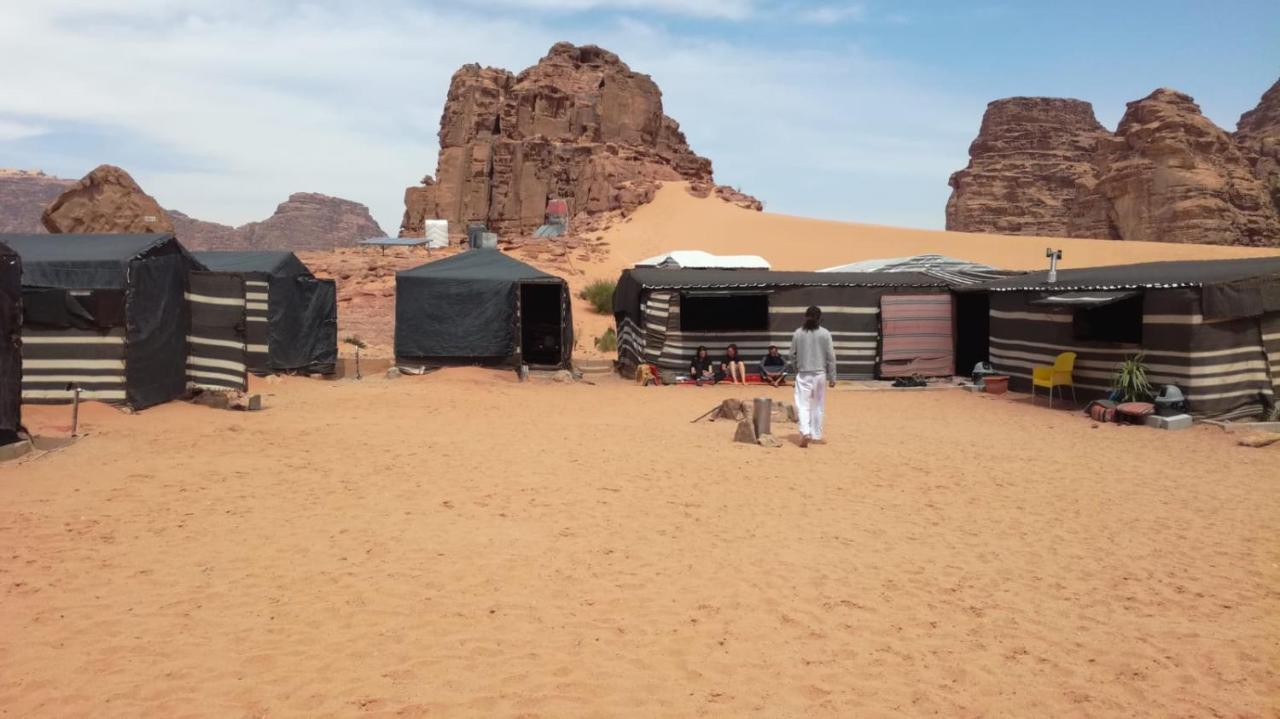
(697, 259)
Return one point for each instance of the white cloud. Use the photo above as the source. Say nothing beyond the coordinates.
(251, 101)
(11, 130)
(832, 14)
(718, 9)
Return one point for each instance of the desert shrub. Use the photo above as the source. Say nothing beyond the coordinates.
(607, 342)
(1130, 380)
(599, 294)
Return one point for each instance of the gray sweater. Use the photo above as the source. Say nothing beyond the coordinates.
(812, 351)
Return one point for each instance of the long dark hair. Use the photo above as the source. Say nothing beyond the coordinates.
(700, 352)
(812, 318)
(731, 347)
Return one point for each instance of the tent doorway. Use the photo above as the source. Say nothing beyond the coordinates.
(973, 329)
(541, 323)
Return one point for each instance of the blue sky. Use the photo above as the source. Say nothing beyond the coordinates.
(845, 110)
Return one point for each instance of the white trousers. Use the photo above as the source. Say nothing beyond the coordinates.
(811, 401)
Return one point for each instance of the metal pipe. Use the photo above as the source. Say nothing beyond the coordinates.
(75, 408)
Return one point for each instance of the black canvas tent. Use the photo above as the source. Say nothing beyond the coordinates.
(663, 315)
(10, 344)
(292, 316)
(485, 307)
(1212, 328)
(127, 319)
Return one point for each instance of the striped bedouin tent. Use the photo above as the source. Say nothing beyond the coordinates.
(110, 316)
(1211, 328)
(10, 344)
(292, 317)
(664, 315)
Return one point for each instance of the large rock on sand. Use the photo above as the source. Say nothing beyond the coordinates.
(580, 126)
(106, 200)
(1044, 166)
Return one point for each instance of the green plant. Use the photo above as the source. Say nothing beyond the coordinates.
(599, 294)
(1130, 380)
(359, 344)
(607, 342)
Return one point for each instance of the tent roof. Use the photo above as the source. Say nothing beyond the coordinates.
(654, 277)
(6, 251)
(272, 262)
(88, 261)
(949, 269)
(104, 249)
(1145, 275)
(477, 265)
(691, 259)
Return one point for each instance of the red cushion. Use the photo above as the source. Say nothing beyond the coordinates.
(1136, 409)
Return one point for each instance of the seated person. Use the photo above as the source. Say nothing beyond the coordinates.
(700, 368)
(733, 366)
(773, 367)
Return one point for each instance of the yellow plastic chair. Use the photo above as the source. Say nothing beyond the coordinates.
(1059, 375)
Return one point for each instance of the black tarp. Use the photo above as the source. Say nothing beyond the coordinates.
(10, 344)
(302, 311)
(151, 271)
(466, 308)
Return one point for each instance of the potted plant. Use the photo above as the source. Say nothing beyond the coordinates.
(1130, 383)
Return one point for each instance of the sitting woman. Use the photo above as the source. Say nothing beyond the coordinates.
(773, 367)
(733, 366)
(700, 368)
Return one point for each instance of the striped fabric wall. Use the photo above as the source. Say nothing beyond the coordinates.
(91, 359)
(217, 355)
(917, 335)
(1219, 366)
(255, 294)
(1271, 343)
(852, 314)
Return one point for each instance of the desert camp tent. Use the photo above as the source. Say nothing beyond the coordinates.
(485, 307)
(663, 315)
(128, 319)
(292, 316)
(10, 344)
(1210, 327)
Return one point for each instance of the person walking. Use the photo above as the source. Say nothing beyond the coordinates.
(813, 356)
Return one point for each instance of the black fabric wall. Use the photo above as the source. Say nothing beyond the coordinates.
(10, 343)
(155, 337)
(303, 324)
(448, 318)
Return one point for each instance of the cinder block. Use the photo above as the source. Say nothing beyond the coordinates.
(1177, 421)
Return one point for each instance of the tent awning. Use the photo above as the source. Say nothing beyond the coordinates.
(1084, 299)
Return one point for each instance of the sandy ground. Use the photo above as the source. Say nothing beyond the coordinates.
(461, 544)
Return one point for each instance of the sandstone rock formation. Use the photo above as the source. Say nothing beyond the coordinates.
(1026, 166)
(311, 221)
(1042, 166)
(108, 200)
(105, 200)
(1258, 134)
(580, 126)
(24, 195)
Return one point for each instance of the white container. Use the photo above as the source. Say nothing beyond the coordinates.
(437, 234)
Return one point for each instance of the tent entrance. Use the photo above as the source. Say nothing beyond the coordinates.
(541, 323)
(973, 329)
(916, 335)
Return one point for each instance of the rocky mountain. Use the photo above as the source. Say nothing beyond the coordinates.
(1044, 166)
(1031, 156)
(579, 125)
(109, 200)
(24, 195)
(1258, 133)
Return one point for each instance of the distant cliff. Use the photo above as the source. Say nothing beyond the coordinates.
(1044, 166)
